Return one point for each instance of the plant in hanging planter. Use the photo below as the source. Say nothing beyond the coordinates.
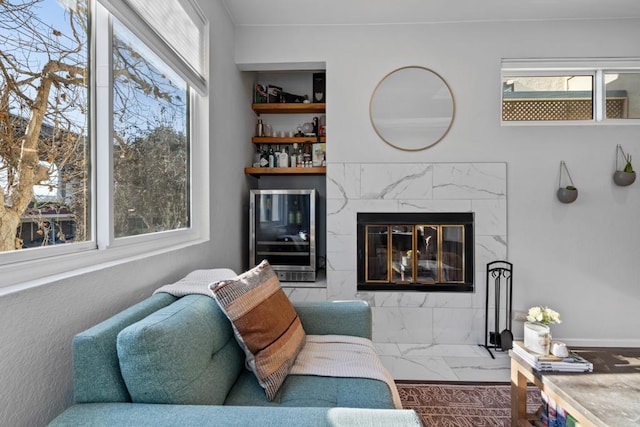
(628, 167)
(627, 175)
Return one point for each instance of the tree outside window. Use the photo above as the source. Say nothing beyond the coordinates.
(43, 123)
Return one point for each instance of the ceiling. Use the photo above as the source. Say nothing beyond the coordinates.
(367, 12)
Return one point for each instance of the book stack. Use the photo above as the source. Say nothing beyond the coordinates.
(549, 363)
(554, 415)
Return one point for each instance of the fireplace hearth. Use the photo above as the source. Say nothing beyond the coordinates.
(416, 251)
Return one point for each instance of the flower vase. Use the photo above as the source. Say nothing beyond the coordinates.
(537, 337)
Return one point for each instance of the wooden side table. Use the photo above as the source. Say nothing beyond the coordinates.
(607, 397)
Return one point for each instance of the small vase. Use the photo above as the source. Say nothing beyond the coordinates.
(537, 337)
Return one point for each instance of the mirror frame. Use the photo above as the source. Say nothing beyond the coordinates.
(398, 144)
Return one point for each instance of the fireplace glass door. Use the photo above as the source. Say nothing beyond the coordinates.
(415, 253)
(431, 251)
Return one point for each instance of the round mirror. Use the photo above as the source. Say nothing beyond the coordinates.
(412, 108)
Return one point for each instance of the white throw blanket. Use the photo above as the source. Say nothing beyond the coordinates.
(322, 355)
(343, 356)
(197, 282)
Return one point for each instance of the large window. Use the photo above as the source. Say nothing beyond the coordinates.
(97, 125)
(599, 91)
(44, 144)
(150, 146)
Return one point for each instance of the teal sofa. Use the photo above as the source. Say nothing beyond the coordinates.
(170, 361)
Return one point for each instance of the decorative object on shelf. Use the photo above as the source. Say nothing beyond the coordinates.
(259, 128)
(569, 193)
(319, 87)
(274, 94)
(318, 154)
(412, 108)
(537, 333)
(307, 129)
(260, 93)
(627, 175)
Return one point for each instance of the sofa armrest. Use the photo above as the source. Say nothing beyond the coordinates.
(335, 318)
(142, 415)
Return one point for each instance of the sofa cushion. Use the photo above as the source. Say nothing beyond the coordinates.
(265, 323)
(310, 390)
(184, 353)
(96, 370)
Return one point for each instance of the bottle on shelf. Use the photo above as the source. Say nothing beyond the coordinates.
(270, 156)
(306, 156)
(257, 157)
(294, 155)
(264, 159)
(259, 128)
(283, 159)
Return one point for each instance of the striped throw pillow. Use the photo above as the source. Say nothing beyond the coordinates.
(265, 323)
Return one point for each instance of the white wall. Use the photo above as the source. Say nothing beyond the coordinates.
(580, 259)
(37, 325)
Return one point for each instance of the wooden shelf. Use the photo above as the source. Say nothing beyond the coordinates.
(290, 108)
(285, 140)
(285, 171)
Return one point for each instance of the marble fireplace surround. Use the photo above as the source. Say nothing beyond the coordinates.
(406, 317)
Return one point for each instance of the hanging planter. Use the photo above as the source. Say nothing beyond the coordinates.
(569, 193)
(627, 175)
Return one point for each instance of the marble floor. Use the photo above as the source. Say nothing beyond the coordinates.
(444, 362)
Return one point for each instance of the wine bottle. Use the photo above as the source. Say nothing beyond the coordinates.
(270, 156)
(264, 160)
(294, 155)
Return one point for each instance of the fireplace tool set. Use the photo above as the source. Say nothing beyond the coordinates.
(500, 286)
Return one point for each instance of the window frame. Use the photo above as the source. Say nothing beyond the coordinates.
(25, 268)
(595, 67)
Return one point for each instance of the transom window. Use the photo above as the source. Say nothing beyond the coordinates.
(571, 91)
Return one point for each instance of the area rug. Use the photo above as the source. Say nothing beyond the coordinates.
(462, 405)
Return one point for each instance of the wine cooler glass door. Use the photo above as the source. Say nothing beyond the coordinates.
(283, 229)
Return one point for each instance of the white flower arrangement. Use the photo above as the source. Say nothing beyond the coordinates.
(543, 315)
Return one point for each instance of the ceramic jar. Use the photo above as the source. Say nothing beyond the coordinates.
(537, 337)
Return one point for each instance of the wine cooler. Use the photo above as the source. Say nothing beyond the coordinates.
(282, 230)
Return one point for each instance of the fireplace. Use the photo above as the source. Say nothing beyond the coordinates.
(416, 251)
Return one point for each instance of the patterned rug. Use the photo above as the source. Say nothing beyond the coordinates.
(462, 405)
